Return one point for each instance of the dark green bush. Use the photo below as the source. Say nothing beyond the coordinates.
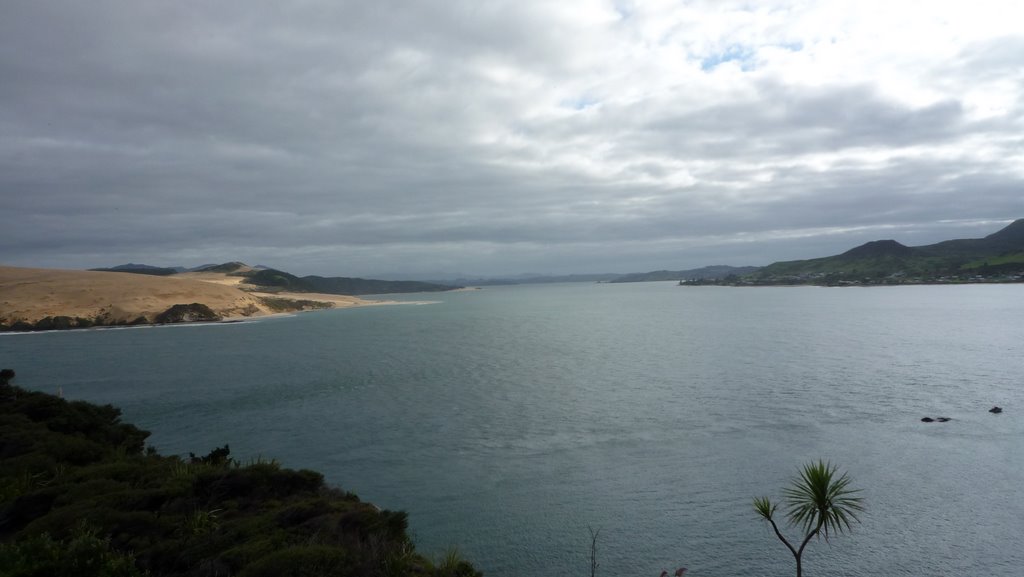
(63, 462)
(258, 482)
(218, 456)
(84, 554)
(180, 313)
(303, 561)
(58, 323)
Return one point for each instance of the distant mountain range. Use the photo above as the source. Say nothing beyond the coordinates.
(531, 279)
(276, 279)
(716, 272)
(998, 257)
(707, 272)
(271, 279)
(161, 270)
(143, 269)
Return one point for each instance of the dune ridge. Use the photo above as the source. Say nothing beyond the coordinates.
(30, 295)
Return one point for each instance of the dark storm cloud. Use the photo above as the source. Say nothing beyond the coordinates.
(488, 137)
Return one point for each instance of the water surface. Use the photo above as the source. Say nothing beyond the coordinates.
(509, 420)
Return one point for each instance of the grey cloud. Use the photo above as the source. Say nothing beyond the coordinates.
(994, 59)
(318, 133)
(783, 120)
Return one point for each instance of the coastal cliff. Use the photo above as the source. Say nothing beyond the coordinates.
(80, 491)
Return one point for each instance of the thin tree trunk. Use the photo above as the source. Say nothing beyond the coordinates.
(783, 539)
(800, 552)
(593, 551)
(797, 553)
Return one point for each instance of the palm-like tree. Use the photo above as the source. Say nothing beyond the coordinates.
(819, 501)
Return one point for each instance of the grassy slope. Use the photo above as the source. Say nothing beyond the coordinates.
(110, 298)
(76, 483)
(1003, 249)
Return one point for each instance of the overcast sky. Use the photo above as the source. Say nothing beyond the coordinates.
(381, 138)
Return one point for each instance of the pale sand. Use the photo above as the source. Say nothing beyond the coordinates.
(30, 294)
(338, 301)
(212, 277)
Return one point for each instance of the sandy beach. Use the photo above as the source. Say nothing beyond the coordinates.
(32, 294)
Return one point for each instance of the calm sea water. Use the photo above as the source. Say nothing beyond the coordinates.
(508, 421)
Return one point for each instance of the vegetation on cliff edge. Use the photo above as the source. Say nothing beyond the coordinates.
(80, 494)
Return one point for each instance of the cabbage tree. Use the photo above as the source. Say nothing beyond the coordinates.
(819, 502)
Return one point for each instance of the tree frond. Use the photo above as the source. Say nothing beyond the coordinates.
(765, 507)
(821, 501)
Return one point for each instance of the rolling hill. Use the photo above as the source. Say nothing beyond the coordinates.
(996, 257)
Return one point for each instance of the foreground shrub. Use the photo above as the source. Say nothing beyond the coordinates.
(308, 561)
(64, 463)
(85, 554)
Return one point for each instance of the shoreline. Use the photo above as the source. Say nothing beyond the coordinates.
(345, 302)
(45, 300)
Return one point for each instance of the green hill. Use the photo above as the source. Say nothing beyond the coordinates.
(276, 279)
(281, 280)
(80, 494)
(228, 267)
(998, 257)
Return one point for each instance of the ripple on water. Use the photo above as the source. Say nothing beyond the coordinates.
(508, 420)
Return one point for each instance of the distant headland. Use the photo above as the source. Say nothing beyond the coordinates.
(996, 258)
(33, 299)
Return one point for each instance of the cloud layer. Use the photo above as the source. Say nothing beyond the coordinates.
(501, 137)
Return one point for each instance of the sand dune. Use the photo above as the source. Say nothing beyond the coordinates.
(232, 280)
(30, 294)
(212, 277)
